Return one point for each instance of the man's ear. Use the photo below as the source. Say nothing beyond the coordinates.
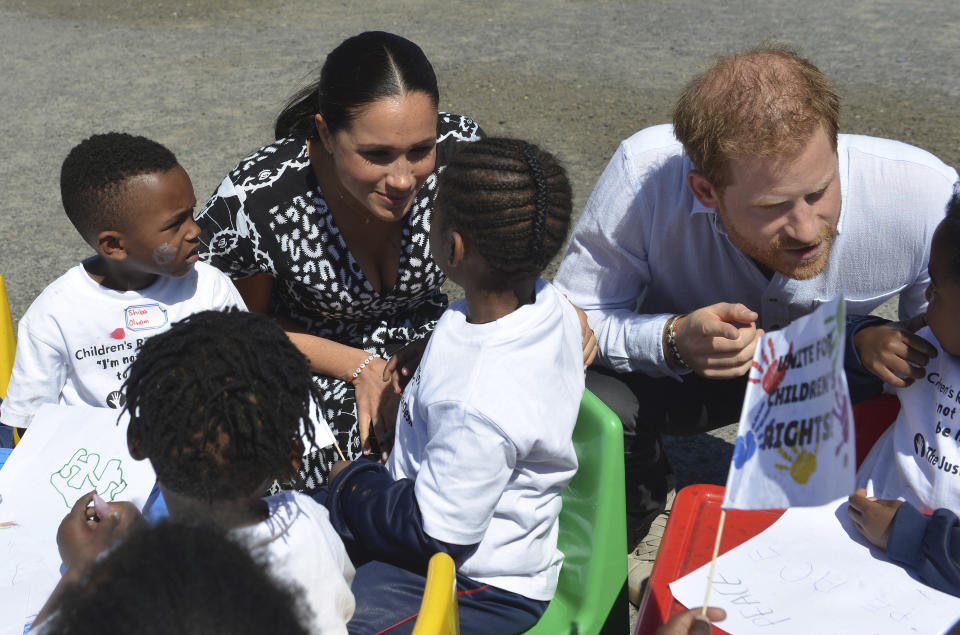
(324, 133)
(702, 189)
(135, 442)
(110, 244)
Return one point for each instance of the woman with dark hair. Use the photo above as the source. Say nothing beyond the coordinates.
(326, 229)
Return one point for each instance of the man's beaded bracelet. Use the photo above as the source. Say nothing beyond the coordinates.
(360, 368)
(671, 330)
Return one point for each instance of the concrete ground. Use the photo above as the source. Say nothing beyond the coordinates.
(206, 78)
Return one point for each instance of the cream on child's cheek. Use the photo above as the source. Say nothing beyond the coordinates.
(163, 254)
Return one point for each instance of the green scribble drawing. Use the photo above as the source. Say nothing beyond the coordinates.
(800, 463)
(84, 472)
(839, 320)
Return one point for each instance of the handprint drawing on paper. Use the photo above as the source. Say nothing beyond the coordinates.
(771, 371)
(842, 413)
(746, 444)
(800, 463)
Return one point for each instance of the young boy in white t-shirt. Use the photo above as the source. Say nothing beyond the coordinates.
(133, 203)
(220, 404)
(483, 435)
(909, 494)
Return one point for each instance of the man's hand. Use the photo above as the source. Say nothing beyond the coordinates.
(712, 346)
(590, 348)
(872, 517)
(81, 537)
(893, 353)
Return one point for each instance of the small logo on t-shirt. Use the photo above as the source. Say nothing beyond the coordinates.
(145, 317)
(116, 400)
(118, 334)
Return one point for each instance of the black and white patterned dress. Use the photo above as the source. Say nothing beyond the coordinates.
(269, 216)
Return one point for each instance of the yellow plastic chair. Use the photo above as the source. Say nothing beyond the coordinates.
(438, 610)
(8, 344)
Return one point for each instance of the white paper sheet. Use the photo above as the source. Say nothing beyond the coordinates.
(812, 572)
(68, 451)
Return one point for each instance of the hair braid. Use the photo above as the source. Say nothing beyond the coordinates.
(219, 401)
(543, 190)
(514, 201)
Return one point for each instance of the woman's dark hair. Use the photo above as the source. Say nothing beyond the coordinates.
(364, 68)
(513, 201)
(177, 579)
(218, 403)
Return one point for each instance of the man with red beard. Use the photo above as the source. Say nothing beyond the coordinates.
(745, 214)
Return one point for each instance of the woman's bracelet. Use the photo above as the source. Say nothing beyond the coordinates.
(671, 330)
(360, 368)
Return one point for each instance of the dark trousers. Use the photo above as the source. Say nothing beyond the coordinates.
(648, 406)
(388, 601)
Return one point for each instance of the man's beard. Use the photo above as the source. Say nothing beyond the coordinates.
(772, 258)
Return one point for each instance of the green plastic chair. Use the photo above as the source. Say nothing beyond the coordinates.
(591, 592)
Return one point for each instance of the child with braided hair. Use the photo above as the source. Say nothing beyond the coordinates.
(483, 439)
(219, 405)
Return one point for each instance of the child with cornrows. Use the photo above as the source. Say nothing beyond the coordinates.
(483, 439)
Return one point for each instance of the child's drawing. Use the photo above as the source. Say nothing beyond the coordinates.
(85, 471)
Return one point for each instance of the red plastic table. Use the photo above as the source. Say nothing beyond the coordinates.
(688, 544)
(692, 527)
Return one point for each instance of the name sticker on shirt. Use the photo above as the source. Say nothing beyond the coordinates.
(145, 317)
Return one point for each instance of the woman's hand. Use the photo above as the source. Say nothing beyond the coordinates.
(400, 368)
(376, 405)
(82, 537)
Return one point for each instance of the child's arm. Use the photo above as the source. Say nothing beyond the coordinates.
(39, 374)
(464, 470)
(378, 518)
(930, 545)
(82, 537)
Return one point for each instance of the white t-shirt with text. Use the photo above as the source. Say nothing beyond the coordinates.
(917, 459)
(76, 341)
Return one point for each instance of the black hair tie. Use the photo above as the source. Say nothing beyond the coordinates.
(540, 201)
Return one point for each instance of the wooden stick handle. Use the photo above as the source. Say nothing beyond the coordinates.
(713, 562)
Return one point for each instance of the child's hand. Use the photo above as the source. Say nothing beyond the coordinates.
(873, 517)
(82, 537)
(338, 467)
(893, 353)
(690, 622)
(401, 366)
